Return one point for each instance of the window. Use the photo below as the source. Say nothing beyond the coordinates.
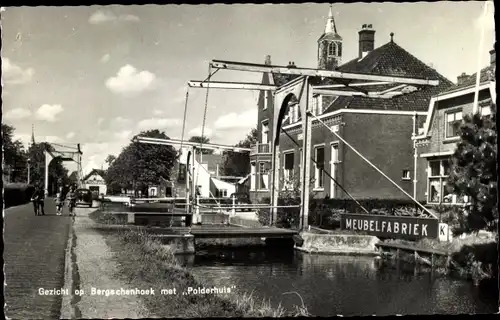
(335, 153)
(314, 106)
(317, 105)
(320, 166)
(453, 121)
(297, 112)
(263, 176)
(334, 160)
(332, 49)
(438, 172)
(253, 175)
(288, 170)
(293, 112)
(406, 175)
(222, 193)
(485, 110)
(339, 49)
(299, 169)
(265, 131)
(266, 99)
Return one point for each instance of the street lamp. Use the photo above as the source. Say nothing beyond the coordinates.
(29, 162)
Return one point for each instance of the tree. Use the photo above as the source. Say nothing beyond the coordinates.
(200, 139)
(109, 159)
(140, 165)
(474, 172)
(14, 155)
(236, 163)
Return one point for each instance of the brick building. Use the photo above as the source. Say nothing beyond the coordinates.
(381, 129)
(437, 139)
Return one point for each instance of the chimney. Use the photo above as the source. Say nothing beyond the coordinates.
(366, 40)
(493, 57)
(268, 60)
(461, 78)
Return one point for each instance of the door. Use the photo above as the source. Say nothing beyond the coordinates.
(334, 158)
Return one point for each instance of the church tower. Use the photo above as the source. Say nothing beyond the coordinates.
(329, 46)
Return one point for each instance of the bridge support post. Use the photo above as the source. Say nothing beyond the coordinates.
(306, 160)
(233, 210)
(48, 159)
(196, 214)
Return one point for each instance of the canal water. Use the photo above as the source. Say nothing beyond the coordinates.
(337, 285)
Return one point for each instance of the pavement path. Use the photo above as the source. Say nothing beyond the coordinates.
(97, 268)
(34, 255)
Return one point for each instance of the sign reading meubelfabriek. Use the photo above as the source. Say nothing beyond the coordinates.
(391, 226)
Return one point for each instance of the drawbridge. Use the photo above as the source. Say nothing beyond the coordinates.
(301, 89)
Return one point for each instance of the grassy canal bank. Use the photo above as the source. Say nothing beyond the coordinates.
(145, 262)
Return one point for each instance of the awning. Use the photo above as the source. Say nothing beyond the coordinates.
(222, 185)
(242, 180)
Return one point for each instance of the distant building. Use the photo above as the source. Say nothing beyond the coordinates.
(381, 129)
(162, 190)
(94, 181)
(438, 138)
(204, 176)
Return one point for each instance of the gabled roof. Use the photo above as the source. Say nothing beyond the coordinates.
(94, 171)
(485, 75)
(390, 60)
(488, 86)
(387, 60)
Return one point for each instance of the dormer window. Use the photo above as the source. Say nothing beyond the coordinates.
(453, 121)
(317, 105)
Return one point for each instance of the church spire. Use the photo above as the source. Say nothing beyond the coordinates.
(330, 23)
(32, 134)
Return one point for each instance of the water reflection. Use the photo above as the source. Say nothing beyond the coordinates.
(332, 285)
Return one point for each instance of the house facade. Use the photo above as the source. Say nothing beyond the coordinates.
(438, 137)
(381, 129)
(94, 181)
(202, 173)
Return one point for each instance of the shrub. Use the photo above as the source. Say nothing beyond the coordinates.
(454, 216)
(286, 217)
(326, 212)
(17, 194)
(478, 260)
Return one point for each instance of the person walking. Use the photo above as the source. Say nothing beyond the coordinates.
(38, 201)
(71, 198)
(59, 201)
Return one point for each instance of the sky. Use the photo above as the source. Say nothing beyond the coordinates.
(98, 75)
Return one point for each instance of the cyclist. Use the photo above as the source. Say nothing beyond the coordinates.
(71, 198)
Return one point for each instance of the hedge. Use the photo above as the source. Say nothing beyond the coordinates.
(325, 213)
(17, 193)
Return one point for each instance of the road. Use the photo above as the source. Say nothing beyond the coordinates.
(34, 258)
